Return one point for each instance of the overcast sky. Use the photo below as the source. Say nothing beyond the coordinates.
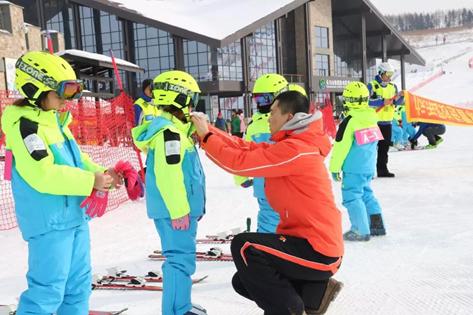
(412, 6)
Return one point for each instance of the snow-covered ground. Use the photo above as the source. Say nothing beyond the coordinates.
(452, 58)
(423, 266)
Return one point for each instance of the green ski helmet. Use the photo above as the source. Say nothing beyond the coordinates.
(37, 72)
(175, 88)
(356, 95)
(297, 88)
(266, 88)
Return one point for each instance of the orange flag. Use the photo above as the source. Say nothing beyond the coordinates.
(426, 110)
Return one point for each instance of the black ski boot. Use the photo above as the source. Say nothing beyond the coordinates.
(377, 225)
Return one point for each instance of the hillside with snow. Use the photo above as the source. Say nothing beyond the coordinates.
(423, 266)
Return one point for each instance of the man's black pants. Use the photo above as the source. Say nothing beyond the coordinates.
(282, 274)
(383, 148)
(432, 133)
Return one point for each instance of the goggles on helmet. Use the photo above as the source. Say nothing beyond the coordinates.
(263, 99)
(70, 89)
(352, 100)
(166, 86)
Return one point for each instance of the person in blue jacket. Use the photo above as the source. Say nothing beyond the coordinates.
(431, 131)
(354, 154)
(175, 185)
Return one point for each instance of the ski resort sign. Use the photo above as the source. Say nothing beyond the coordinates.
(426, 110)
(332, 84)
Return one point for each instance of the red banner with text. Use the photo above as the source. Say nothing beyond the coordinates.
(421, 109)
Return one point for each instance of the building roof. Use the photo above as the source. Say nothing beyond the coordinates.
(82, 59)
(213, 22)
(347, 25)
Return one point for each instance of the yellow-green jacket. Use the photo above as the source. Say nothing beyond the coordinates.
(50, 175)
(175, 182)
(144, 111)
(347, 154)
(380, 93)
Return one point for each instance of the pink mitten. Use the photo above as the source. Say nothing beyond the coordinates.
(96, 203)
(181, 223)
(133, 183)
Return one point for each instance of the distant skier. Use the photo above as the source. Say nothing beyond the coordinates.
(175, 190)
(220, 122)
(354, 154)
(431, 131)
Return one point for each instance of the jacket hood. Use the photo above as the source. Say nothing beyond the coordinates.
(307, 127)
(145, 133)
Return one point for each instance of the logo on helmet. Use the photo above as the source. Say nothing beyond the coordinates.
(166, 86)
(35, 73)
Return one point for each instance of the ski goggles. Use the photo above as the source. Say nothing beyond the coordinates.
(70, 89)
(192, 98)
(354, 100)
(263, 99)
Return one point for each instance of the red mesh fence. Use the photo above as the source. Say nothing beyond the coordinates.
(103, 130)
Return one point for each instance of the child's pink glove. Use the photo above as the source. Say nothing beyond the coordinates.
(96, 203)
(133, 183)
(181, 223)
(8, 165)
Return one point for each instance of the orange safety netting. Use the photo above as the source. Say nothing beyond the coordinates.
(102, 128)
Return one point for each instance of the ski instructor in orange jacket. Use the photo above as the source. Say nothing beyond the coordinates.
(288, 272)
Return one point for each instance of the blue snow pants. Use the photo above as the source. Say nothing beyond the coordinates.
(397, 134)
(408, 131)
(268, 219)
(178, 247)
(359, 200)
(59, 273)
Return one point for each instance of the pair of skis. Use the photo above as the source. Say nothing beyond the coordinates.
(11, 310)
(214, 254)
(108, 312)
(408, 148)
(224, 237)
(120, 280)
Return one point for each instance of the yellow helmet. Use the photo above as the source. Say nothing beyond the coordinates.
(266, 88)
(297, 88)
(177, 88)
(270, 83)
(356, 95)
(38, 72)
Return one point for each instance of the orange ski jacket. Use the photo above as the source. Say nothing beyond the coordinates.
(297, 186)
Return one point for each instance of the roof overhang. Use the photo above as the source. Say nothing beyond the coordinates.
(218, 31)
(97, 63)
(347, 26)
